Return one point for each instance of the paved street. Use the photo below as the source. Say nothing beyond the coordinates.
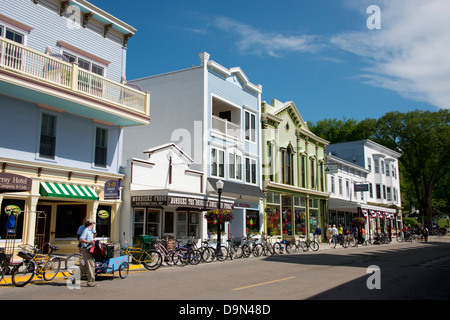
(406, 271)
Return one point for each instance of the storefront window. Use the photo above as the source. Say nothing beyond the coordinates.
(194, 229)
(273, 220)
(300, 215)
(313, 214)
(68, 219)
(287, 214)
(103, 226)
(7, 205)
(153, 221)
(252, 221)
(146, 223)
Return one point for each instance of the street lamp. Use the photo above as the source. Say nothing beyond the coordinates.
(219, 186)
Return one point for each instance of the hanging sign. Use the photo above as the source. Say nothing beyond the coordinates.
(112, 190)
(10, 182)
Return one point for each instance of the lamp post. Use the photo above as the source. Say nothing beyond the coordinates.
(219, 186)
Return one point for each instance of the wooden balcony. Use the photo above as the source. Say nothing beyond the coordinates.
(38, 77)
(226, 128)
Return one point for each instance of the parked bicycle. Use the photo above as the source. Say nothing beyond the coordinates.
(306, 244)
(283, 246)
(35, 263)
(150, 259)
(251, 246)
(267, 246)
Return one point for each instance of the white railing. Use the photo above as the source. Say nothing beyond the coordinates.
(226, 127)
(38, 65)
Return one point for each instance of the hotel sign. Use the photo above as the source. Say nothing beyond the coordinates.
(13, 182)
(185, 202)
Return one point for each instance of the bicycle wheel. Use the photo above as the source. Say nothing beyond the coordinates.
(246, 251)
(74, 263)
(208, 254)
(151, 259)
(277, 248)
(314, 245)
(257, 250)
(23, 273)
(237, 250)
(353, 242)
(51, 268)
(195, 257)
(124, 269)
(180, 257)
(222, 253)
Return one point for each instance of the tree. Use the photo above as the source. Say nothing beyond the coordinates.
(335, 131)
(423, 139)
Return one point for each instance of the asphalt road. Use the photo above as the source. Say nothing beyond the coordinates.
(400, 271)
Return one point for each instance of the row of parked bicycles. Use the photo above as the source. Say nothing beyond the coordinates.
(179, 253)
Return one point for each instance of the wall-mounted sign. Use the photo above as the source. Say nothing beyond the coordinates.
(361, 187)
(185, 202)
(112, 190)
(10, 182)
(103, 214)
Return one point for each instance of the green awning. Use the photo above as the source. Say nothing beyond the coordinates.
(70, 191)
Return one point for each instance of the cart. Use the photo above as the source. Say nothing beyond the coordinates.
(110, 266)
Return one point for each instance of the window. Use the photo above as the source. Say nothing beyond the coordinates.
(377, 165)
(85, 64)
(287, 167)
(101, 149)
(234, 166)
(370, 190)
(14, 36)
(313, 177)
(340, 186)
(332, 185)
(378, 190)
(369, 164)
(146, 223)
(347, 188)
(217, 163)
(382, 166)
(250, 170)
(388, 171)
(389, 194)
(303, 172)
(13, 56)
(48, 136)
(250, 126)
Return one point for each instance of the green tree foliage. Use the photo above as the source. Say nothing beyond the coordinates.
(423, 139)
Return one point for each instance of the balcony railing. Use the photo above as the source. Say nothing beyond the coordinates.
(226, 127)
(41, 66)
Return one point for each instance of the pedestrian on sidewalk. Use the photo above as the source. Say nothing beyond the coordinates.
(318, 233)
(87, 241)
(329, 234)
(335, 234)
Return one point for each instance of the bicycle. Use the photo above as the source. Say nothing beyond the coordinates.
(267, 247)
(280, 247)
(35, 263)
(150, 259)
(74, 262)
(235, 249)
(250, 246)
(342, 240)
(5, 260)
(305, 245)
(353, 240)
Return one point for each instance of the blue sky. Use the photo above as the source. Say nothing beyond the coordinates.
(319, 54)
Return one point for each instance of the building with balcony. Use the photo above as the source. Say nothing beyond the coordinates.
(365, 183)
(212, 114)
(293, 172)
(64, 103)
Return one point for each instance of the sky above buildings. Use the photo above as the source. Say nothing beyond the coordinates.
(332, 58)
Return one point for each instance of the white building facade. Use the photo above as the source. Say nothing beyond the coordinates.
(364, 183)
(212, 114)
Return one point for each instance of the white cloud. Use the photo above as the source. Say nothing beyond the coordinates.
(411, 52)
(252, 41)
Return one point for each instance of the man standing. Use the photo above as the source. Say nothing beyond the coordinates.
(87, 240)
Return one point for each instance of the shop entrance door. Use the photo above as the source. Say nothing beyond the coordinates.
(168, 226)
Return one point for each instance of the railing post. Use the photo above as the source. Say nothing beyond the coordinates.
(74, 77)
(147, 103)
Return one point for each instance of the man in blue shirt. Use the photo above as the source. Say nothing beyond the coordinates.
(87, 240)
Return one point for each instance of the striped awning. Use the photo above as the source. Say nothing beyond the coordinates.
(70, 191)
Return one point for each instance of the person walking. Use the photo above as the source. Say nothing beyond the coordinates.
(329, 234)
(335, 235)
(318, 233)
(87, 240)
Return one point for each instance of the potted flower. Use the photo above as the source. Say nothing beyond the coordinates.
(219, 215)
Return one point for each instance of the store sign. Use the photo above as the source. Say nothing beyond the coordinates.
(361, 187)
(163, 200)
(112, 190)
(14, 182)
(331, 168)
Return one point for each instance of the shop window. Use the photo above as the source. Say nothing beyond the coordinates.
(188, 224)
(146, 223)
(252, 222)
(273, 220)
(103, 226)
(68, 219)
(300, 215)
(7, 208)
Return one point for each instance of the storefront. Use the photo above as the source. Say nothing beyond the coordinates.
(175, 215)
(54, 206)
(293, 214)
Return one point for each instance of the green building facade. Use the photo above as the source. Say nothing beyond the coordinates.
(294, 178)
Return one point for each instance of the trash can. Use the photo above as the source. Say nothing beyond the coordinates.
(143, 242)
